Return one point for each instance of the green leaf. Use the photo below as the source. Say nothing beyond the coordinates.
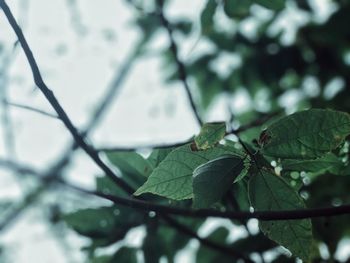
(270, 192)
(305, 135)
(276, 5)
(210, 135)
(173, 176)
(130, 163)
(320, 164)
(213, 179)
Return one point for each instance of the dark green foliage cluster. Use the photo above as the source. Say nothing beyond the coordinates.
(290, 162)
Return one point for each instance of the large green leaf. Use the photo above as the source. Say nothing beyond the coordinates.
(213, 179)
(305, 135)
(270, 192)
(173, 176)
(210, 135)
(320, 164)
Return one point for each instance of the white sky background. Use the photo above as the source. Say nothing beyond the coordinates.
(78, 69)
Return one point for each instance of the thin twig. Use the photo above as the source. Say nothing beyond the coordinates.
(180, 65)
(243, 128)
(141, 147)
(30, 108)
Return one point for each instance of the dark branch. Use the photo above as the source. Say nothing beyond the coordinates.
(200, 213)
